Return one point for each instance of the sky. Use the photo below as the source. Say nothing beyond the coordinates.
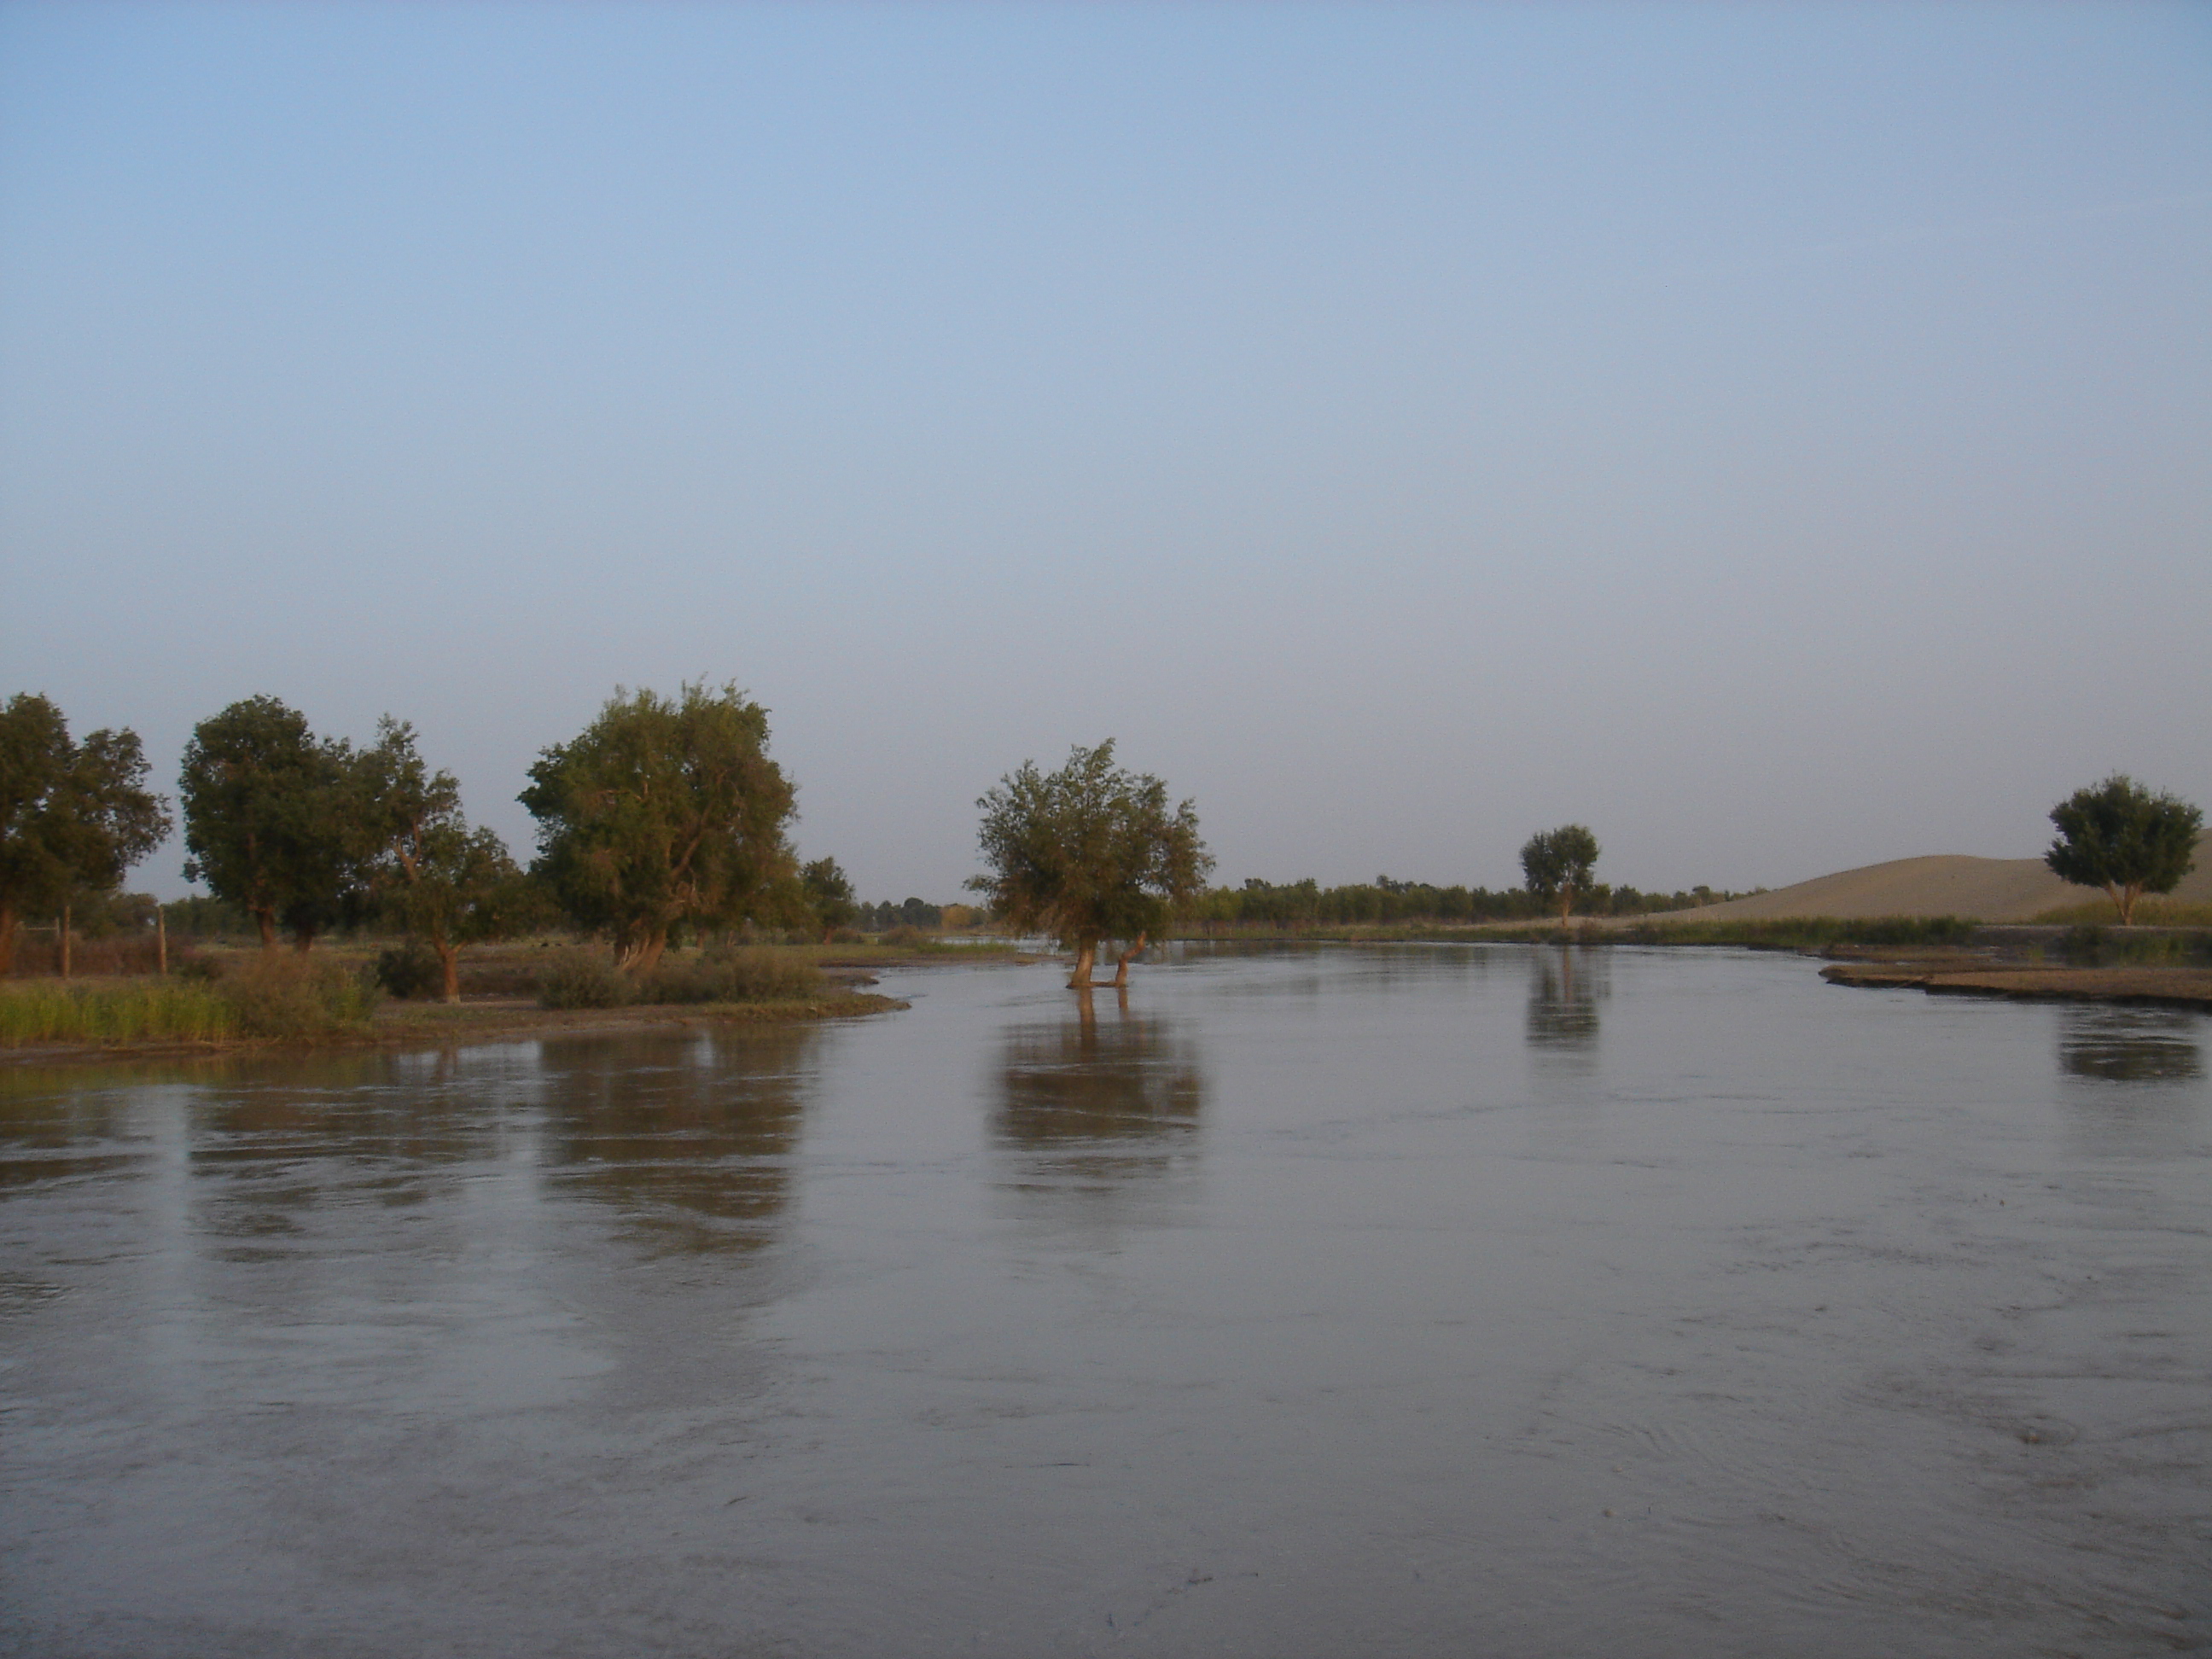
(1779, 438)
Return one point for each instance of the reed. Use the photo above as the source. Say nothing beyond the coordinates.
(160, 1011)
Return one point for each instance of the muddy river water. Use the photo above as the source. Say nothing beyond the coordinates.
(1420, 1300)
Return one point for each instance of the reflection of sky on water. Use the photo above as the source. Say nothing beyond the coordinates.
(1095, 1111)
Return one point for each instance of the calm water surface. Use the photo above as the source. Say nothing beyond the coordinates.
(1487, 1300)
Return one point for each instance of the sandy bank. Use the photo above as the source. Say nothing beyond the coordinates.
(2174, 988)
(1948, 885)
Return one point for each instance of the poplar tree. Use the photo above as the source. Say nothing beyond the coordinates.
(73, 815)
(663, 810)
(2118, 836)
(1088, 853)
(1558, 866)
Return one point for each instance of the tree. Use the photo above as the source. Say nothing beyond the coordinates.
(828, 896)
(1089, 853)
(2119, 837)
(663, 811)
(270, 820)
(73, 816)
(444, 882)
(1557, 863)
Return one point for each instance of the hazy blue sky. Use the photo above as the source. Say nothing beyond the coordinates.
(1779, 437)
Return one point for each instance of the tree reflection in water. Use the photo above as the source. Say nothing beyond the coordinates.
(1565, 984)
(275, 1140)
(689, 1143)
(1098, 1113)
(2132, 1045)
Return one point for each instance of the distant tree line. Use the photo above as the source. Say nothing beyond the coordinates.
(1288, 906)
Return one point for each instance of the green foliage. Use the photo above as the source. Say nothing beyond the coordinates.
(1558, 865)
(1089, 853)
(270, 820)
(73, 816)
(295, 996)
(584, 979)
(913, 914)
(201, 917)
(828, 896)
(663, 813)
(409, 970)
(2121, 837)
(161, 1009)
(266, 996)
(754, 974)
(2089, 945)
(442, 882)
(1801, 933)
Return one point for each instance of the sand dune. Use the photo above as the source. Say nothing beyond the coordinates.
(1950, 884)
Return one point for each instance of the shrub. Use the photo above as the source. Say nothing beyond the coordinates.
(745, 973)
(410, 969)
(583, 979)
(287, 995)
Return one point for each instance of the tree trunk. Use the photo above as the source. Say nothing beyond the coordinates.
(161, 941)
(265, 920)
(303, 938)
(643, 955)
(449, 967)
(2125, 897)
(62, 934)
(1122, 962)
(7, 942)
(1086, 952)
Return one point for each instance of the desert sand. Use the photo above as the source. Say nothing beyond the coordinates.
(1949, 884)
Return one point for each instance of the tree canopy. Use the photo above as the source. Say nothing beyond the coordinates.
(272, 819)
(442, 882)
(1558, 866)
(73, 815)
(2118, 836)
(827, 892)
(1089, 853)
(663, 810)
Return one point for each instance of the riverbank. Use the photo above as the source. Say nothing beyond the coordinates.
(406, 1025)
(1976, 976)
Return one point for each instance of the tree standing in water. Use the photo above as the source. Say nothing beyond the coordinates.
(2119, 837)
(1557, 863)
(1088, 853)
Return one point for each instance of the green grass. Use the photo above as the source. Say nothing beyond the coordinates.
(156, 1011)
(1808, 932)
(2150, 912)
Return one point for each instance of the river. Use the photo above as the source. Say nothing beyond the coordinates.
(1487, 1300)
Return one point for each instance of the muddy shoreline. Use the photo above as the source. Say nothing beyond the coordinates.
(1973, 976)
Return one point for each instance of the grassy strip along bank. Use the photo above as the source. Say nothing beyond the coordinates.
(278, 997)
